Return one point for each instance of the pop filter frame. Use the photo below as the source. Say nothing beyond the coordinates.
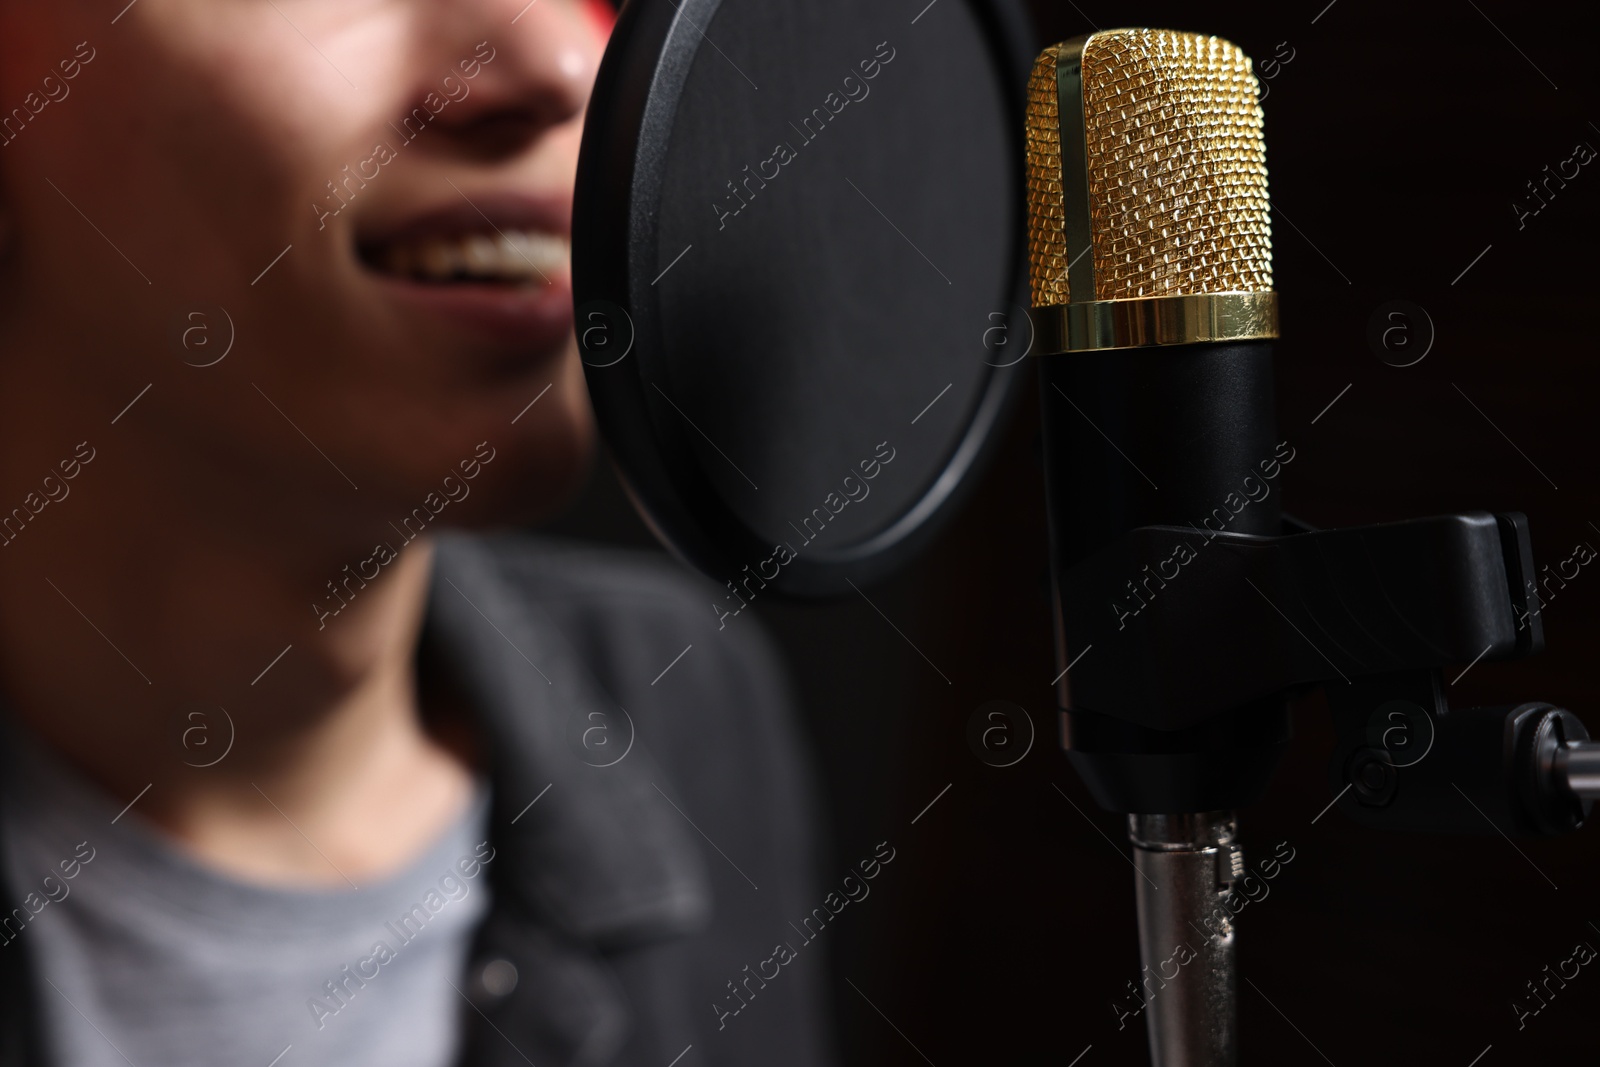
(627, 343)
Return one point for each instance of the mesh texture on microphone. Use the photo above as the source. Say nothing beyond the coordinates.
(1175, 164)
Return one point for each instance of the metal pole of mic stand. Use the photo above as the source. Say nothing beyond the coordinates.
(1187, 865)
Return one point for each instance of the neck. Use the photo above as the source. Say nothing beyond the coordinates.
(148, 641)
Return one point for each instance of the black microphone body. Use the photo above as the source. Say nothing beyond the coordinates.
(1164, 435)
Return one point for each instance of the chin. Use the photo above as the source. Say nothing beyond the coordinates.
(534, 475)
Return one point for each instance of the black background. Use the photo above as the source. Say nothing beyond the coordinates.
(1398, 138)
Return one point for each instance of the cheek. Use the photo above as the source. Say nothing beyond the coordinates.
(603, 15)
(197, 145)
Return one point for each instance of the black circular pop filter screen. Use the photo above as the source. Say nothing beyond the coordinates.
(798, 260)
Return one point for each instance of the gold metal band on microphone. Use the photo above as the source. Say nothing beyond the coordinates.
(1157, 320)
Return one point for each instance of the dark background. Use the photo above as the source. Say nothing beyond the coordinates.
(1399, 137)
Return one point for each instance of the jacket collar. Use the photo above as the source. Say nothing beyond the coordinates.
(580, 834)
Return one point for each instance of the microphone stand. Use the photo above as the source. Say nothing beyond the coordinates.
(1187, 866)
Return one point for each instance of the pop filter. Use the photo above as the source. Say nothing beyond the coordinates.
(799, 253)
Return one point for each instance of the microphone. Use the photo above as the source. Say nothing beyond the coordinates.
(1151, 269)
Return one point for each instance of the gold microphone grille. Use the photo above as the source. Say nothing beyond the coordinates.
(1176, 170)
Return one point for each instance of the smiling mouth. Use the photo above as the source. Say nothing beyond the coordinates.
(513, 258)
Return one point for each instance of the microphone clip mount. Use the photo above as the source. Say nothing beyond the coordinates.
(1206, 634)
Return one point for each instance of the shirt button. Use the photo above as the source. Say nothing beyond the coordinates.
(499, 978)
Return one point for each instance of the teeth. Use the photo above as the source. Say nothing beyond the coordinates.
(481, 254)
(510, 246)
(511, 255)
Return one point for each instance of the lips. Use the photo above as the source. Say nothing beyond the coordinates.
(497, 266)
